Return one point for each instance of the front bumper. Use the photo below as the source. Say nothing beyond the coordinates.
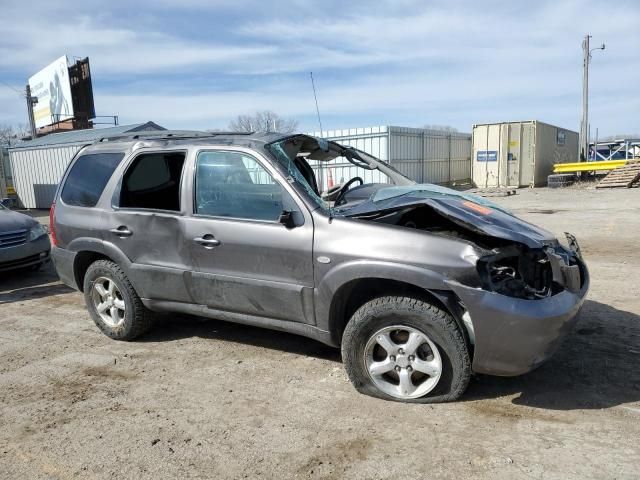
(513, 336)
(25, 255)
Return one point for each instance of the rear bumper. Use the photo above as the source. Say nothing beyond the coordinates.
(64, 260)
(513, 336)
(25, 255)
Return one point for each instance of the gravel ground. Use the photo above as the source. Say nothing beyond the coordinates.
(204, 399)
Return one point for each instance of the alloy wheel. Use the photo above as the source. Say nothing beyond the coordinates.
(403, 362)
(108, 301)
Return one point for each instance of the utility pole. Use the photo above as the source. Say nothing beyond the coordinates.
(584, 126)
(31, 101)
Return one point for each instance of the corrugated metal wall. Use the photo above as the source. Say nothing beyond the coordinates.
(426, 156)
(37, 172)
(549, 150)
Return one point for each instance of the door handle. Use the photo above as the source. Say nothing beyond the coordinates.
(207, 241)
(121, 231)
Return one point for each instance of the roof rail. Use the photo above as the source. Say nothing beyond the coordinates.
(159, 135)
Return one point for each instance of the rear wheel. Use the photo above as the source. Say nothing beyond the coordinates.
(113, 303)
(404, 349)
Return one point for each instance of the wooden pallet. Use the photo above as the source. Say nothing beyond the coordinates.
(624, 176)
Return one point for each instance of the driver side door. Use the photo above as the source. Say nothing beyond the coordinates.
(246, 261)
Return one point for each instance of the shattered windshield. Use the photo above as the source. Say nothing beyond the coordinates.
(321, 167)
(279, 153)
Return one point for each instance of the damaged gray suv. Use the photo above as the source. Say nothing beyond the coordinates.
(419, 285)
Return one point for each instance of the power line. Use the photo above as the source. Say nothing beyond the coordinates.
(12, 88)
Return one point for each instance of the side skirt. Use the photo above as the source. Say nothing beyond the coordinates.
(297, 328)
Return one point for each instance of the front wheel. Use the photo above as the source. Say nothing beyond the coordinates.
(404, 349)
(113, 303)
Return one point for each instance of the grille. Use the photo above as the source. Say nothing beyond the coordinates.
(13, 239)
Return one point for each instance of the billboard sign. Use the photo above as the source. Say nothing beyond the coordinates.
(52, 87)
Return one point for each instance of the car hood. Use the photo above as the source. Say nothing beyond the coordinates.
(469, 211)
(10, 221)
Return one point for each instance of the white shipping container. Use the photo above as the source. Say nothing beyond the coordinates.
(519, 154)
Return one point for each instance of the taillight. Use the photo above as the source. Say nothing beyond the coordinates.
(52, 224)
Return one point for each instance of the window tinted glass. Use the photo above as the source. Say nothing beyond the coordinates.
(231, 184)
(88, 177)
(152, 181)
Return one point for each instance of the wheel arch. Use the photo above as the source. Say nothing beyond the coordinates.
(353, 294)
(88, 251)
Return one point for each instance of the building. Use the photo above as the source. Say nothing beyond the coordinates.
(38, 165)
(6, 185)
(426, 156)
(520, 154)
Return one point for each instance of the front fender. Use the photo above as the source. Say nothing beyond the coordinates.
(346, 272)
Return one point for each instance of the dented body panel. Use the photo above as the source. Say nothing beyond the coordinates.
(511, 285)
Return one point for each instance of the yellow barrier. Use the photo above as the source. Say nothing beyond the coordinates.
(587, 166)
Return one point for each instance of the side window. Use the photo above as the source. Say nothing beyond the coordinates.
(152, 181)
(232, 184)
(88, 177)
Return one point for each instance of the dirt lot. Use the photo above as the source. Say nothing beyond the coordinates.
(204, 399)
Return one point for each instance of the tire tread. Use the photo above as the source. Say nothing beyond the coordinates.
(143, 318)
(432, 313)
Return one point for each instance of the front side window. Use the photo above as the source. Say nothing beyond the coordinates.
(235, 185)
(88, 177)
(152, 181)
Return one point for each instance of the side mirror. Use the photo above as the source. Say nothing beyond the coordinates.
(286, 218)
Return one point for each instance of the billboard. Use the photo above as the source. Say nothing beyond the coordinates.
(82, 92)
(52, 87)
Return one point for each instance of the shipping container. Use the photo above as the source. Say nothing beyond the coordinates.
(424, 155)
(519, 154)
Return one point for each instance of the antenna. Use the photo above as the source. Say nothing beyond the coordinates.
(313, 85)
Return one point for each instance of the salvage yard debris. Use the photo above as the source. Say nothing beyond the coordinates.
(624, 176)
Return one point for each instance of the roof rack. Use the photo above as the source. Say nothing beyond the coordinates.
(159, 135)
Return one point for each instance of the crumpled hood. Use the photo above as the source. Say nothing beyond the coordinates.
(10, 221)
(469, 211)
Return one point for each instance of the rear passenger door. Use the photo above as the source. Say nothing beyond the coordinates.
(245, 259)
(146, 224)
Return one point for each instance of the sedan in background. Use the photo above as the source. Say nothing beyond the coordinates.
(24, 242)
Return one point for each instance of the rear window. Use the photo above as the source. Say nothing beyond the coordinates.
(88, 177)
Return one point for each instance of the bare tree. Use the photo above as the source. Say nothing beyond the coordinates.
(263, 122)
(12, 134)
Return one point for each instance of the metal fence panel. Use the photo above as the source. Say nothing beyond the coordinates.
(424, 155)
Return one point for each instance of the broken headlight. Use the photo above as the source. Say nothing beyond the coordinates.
(517, 272)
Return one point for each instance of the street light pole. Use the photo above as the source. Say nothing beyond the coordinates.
(584, 127)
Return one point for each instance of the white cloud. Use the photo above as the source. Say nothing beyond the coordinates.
(432, 63)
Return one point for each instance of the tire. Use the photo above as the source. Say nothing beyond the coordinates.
(129, 322)
(379, 318)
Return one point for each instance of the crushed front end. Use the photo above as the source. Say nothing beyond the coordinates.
(527, 304)
(522, 291)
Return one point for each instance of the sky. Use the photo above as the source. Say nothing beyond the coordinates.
(196, 64)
